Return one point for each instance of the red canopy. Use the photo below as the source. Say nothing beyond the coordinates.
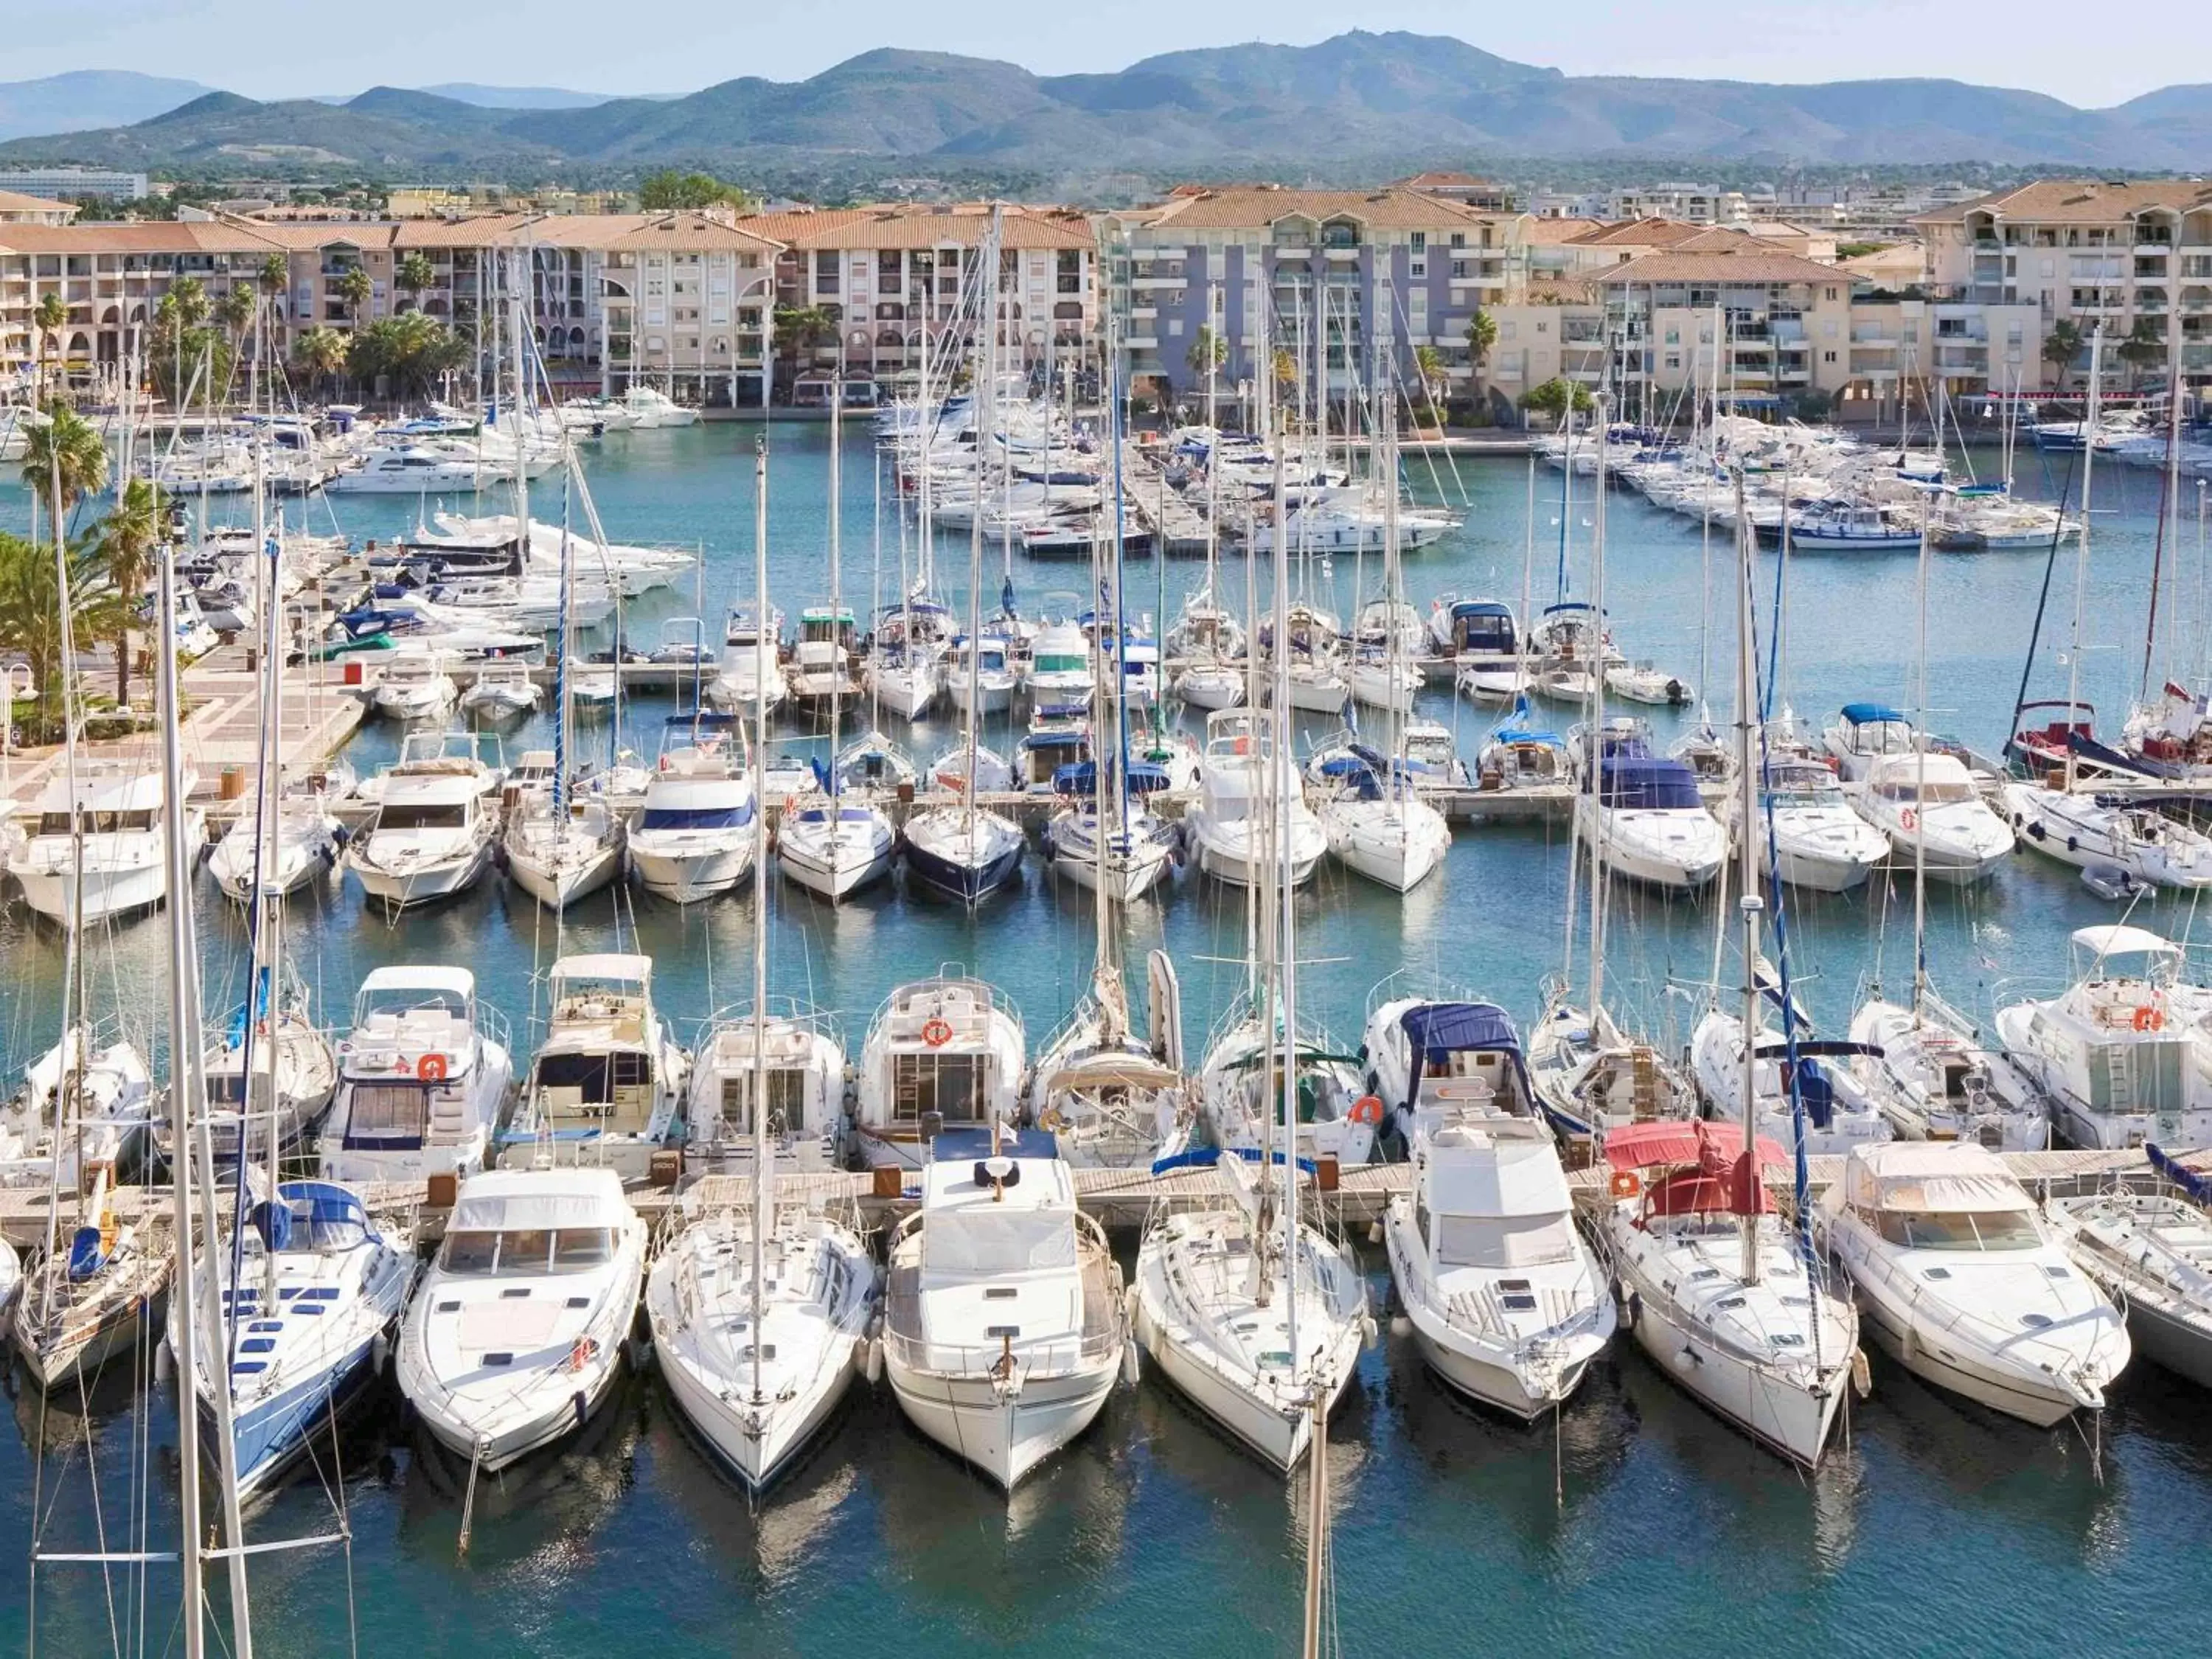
(1712, 1146)
(1733, 1187)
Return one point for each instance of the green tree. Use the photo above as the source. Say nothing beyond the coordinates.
(319, 354)
(236, 312)
(124, 544)
(1482, 341)
(30, 620)
(48, 318)
(184, 352)
(355, 289)
(2144, 346)
(1429, 368)
(66, 440)
(669, 191)
(799, 329)
(275, 274)
(2061, 346)
(415, 274)
(1553, 397)
(1208, 354)
(409, 351)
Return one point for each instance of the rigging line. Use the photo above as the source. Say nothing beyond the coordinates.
(2043, 599)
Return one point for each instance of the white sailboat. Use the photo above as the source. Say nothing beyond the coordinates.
(2151, 1253)
(758, 1316)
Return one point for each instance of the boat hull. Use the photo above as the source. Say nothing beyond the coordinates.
(1004, 1436)
(687, 877)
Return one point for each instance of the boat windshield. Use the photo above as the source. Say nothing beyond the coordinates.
(441, 815)
(1963, 1230)
(1936, 792)
(527, 1250)
(995, 1241)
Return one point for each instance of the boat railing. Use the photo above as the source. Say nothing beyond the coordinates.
(788, 1011)
(950, 977)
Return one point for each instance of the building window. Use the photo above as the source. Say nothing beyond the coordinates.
(1420, 241)
(1507, 329)
(1175, 325)
(1828, 356)
(1418, 268)
(1673, 360)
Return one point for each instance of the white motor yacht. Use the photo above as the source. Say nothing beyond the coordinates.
(606, 1086)
(415, 687)
(751, 662)
(694, 838)
(2121, 1055)
(948, 1051)
(1809, 835)
(1934, 815)
(1649, 816)
(99, 1092)
(2151, 1253)
(306, 848)
(1003, 1329)
(1456, 1060)
(433, 836)
(117, 820)
(2094, 832)
(518, 1331)
(1959, 1281)
(1506, 1303)
(424, 1075)
(1748, 1331)
(994, 693)
(801, 1063)
(503, 690)
(1061, 674)
(1229, 826)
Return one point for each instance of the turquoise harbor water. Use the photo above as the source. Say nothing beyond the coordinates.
(1939, 1530)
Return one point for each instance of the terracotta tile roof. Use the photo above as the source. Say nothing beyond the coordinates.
(2079, 201)
(141, 236)
(1245, 207)
(479, 230)
(1444, 181)
(965, 225)
(13, 201)
(1642, 233)
(1745, 265)
(1551, 232)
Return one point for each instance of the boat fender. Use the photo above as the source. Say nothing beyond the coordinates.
(164, 1361)
(379, 1353)
(580, 1411)
(1129, 1361)
(2073, 843)
(1129, 1307)
(1632, 1311)
(1370, 1333)
(2036, 830)
(1687, 1358)
(1907, 1348)
(875, 1361)
(1400, 1326)
(1861, 1374)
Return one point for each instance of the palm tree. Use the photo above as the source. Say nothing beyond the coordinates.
(30, 616)
(2144, 346)
(1482, 341)
(124, 547)
(355, 289)
(235, 312)
(67, 441)
(319, 353)
(1429, 366)
(47, 318)
(2061, 347)
(414, 276)
(1208, 352)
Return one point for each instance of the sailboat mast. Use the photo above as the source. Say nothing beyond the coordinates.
(1919, 777)
(763, 1157)
(1749, 903)
(519, 332)
(1286, 948)
(2089, 423)
(987, 404)
(837, 662)
(1596, 668)
(183, 1042)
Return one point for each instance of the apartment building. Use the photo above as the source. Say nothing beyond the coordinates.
(16, 208)
(2116, 254)
(678, 300)
(1386, 272)
(61, 182)
(887, 281)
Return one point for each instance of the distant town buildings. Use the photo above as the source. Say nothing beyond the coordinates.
(65, 182)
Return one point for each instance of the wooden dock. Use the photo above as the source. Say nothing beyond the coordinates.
(1120, 1200)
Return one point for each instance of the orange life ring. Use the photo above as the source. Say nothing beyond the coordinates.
(937, 1031)
(1368, 1110)
(1626, 1183)
(582, 1353)
(1243, 746)
(2151, 1019)
(1910, 819)
(431, 1068)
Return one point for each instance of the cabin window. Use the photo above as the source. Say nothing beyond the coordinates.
(387, 1111)
(787, 1099)
(470, 1253)
(576, 1248)
(406, 816)
(958, 1086)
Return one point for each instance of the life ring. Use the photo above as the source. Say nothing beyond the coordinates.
(1367, 1109)
(1910, 819)
(431, 1068)
(2150, 1019)
(937, 1031)
(582, 1353)
(1626, 1183)
(1243, 746)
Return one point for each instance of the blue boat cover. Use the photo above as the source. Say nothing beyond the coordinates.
(86, 1258)
(707, 720)
(1481, 608)
(1081, 778)
(1866, 714)
(1646, 782)
(2197, 1186)
(696, 818)
(1438, 1030)
(965, 1145)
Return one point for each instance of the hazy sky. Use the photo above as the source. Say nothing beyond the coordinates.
(275, 48)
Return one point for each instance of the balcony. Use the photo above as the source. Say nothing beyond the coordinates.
(1292, 251)
(1177, 282)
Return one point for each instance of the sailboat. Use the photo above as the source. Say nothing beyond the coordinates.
(830, 842)
(1922, 1062)
(1718, 1294)
(559, 848)
(1255, 1315)
(2151, 1252)
(2055, 815)
(758, 1314)
(963, 852)
(1205, 636)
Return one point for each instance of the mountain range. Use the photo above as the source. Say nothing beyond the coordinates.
(1341, 109)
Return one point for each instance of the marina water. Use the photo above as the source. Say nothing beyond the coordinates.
(1937, 1530)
